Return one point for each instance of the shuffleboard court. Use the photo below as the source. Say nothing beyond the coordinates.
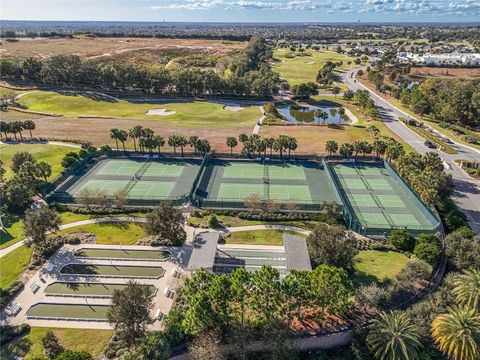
(378, 199)
(90, 289)
(113, 270)
(122, 254)
(68, 311)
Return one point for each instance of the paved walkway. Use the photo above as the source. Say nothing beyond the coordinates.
(16, 245)
(259, 123)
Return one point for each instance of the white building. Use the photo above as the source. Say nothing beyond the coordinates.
(452, 59)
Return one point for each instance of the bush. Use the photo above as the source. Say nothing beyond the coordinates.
(402, 239)
(6, 295)
(428, 252)
(372, 296)
(213, 221)
(415, 271)
(463, 252)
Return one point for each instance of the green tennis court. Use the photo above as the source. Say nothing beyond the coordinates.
(290, 192)
(113, 270)
(130, 167)
(244, 170)
(80, 289)
(122, 254)
(379, 199)
(239, 191)
(143, 180)
(69, 311)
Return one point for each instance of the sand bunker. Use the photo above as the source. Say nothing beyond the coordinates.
(160, 112)
(233, 108)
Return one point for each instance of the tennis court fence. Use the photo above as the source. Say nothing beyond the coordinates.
(354, 223)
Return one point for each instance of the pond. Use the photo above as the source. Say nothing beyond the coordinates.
(306, 114)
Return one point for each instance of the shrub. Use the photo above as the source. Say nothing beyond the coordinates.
(213, 221)
(372, 296)
(402, 239)
(428, 252)
(415, 270)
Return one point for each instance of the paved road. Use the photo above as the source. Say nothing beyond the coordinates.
(467, 189)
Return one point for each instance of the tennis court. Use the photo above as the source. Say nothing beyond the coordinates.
(228, 183)
(137, 178)
(379, 199)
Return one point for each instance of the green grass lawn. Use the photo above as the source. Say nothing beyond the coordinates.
(12, 231)
(121, 233)
(195, 113)
(377, 266)
(51, 154)
(6, 93)
(13, 264)
(256, 237)
(305, 68)
(30, 346)
(117, 270)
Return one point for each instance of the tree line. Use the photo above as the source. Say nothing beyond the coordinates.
(16, 127)
(247, 73)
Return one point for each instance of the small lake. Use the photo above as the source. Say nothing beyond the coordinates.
(305, 114)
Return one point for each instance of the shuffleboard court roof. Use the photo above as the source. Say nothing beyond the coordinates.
(296, 253)
(203, 252)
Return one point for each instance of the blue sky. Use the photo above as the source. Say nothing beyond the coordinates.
(243, 10)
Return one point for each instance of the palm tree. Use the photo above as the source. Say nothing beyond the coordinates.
(394, 150)
(203, 146)
(373, 131)
(4, 128)
(159, 142)
(291, 144)
(280, 144)
(336, 91)
(346, 150)
(29, 125)
(269, 142)
(114, 135)
(182, 142)
(18, 125)
(357, 147)
(331, 146)
(173, 142)
(231, 143)
(379, 146)
(319, 113)
(242, 138)
(193, 141)
(392, 336)
(467, 289)
(135, 133)
(457, 333)
(122, 136)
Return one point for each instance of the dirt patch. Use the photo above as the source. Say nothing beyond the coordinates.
(445, 72)
(96, 130)
(97, 48)
(310, 62)
(160, 112)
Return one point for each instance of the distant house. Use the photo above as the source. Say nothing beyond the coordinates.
(444, 59)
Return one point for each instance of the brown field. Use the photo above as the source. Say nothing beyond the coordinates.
(445, 72)
(96, 131)
(96, 48)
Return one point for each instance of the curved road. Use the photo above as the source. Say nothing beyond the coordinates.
(467, 189)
